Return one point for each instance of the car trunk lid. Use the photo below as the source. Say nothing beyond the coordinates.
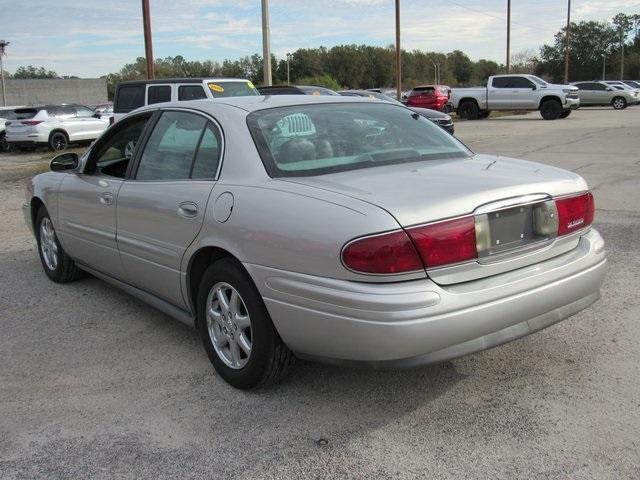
(431, 191)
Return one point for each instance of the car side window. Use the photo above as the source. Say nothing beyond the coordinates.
(598, 86)
(158, 94)
(500, 82)
(129, 97)
(83, 112)
(191, 92)
(170, 150)
(205, 165)
(519, 82)
(112, 156)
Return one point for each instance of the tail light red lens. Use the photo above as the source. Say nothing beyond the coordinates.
(575, 213)
(382, 254)
(31, 122)
(441, 243)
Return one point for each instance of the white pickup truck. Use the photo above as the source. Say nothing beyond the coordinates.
(515, 92)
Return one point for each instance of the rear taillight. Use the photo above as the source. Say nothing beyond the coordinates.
(382, 254)
(457, 240)
(575, 213)
(442, 243)
(31, 122)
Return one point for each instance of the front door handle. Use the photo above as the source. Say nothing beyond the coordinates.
(188, 209)
(106, 198)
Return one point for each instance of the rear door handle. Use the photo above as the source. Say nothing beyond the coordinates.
(188, 209)
(106, 198)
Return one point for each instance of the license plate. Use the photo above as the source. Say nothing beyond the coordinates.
(508, 229)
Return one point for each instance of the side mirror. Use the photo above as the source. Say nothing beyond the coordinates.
(96, 115)
(65, 161)
(609, 89)
(533, 87)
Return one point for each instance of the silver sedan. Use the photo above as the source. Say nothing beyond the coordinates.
(331, 228)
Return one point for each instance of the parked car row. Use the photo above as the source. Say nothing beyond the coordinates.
(615, 93)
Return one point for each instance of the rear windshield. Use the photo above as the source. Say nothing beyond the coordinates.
(232, 89)
(25, 113)
(9, 115)
(308, 140)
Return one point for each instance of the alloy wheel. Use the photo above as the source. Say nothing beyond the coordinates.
(59, 141)
(229, 325)
(48, 245)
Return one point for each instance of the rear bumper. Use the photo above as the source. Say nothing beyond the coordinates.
(420, 322)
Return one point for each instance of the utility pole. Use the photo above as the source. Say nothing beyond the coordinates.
(288, 59)
(508, 36)
(398, 60)
(148, 47)
(604, 67)
(566, 46)
(3, 45)
(266, 45)
(622, 54)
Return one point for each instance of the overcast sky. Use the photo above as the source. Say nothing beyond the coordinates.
(90, 38)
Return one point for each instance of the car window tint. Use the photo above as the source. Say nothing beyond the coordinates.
(519, 82)
(191, 92)
(113, 156)
(129, 97)
(158, 94)
(207, 159)
(598, 86)
(63, 111)
(170, 150)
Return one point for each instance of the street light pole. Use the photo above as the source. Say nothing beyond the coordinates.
(398, 61)
(566, 47)
(508, 36)
(622, 55)
(148, 46)
(604, 67)
(3, 45)
(266, 45)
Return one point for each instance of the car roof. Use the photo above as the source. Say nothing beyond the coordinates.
(253, 103)
(182, 80)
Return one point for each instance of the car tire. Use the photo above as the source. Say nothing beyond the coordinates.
(565, 113)
(58, 141)
(239, 338)
(619, 103)
(468, 110)
(485, 114)
(58, 266)
(551, 109)
(4, 145)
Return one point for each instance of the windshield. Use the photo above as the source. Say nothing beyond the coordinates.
(308, 140)
(232, 89)
(8, 115)
(538, 80)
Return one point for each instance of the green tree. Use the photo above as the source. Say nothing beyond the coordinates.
(34, 72)
(461, 66)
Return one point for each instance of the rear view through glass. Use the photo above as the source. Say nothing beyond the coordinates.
(309, 140)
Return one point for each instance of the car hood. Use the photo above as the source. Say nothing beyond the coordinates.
(426, 191)
(429, 113)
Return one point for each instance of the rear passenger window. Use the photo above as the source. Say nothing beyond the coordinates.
(129, 97)
(191, 92)
(205, 165)
(500, 82)
(170, 150)
(158, 94)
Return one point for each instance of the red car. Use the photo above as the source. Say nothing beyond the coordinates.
(435, 97)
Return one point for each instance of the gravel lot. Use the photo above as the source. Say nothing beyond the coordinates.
(95, 384)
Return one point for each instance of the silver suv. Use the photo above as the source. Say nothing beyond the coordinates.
(600, 93)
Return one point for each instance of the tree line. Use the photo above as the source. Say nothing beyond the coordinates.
(364, 66)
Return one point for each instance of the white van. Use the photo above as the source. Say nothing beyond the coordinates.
(133, 94)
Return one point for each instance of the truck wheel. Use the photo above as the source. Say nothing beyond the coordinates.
(468, 110)
(565, 114)
(485, 114)
(238, 335)
(550, 109)
(619, 103)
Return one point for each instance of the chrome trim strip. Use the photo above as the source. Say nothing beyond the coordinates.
(511, 202)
